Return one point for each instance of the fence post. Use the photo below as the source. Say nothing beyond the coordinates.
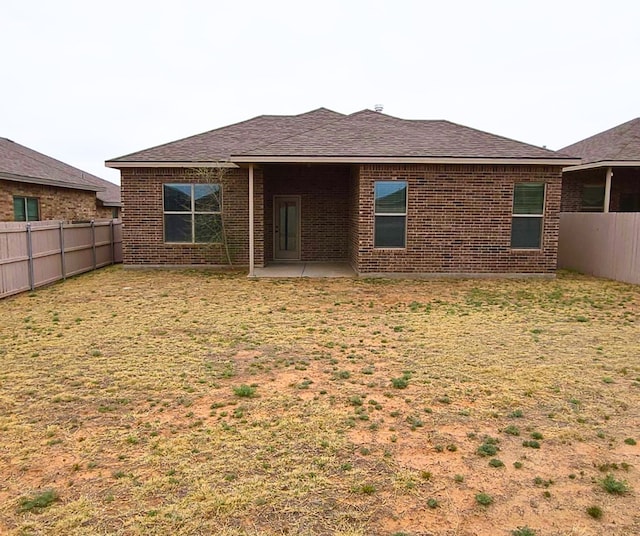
(62, 259)
(30, 256)
(93, 241)
(113, 242)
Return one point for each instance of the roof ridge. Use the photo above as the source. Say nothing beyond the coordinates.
(279, 140)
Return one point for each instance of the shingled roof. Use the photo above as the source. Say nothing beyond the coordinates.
(323, 135)
(618, 144)
(217, 145)
(21, 164)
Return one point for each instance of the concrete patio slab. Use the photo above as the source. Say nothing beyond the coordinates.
(306, 269)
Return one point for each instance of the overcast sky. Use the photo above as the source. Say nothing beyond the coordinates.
(84, 81)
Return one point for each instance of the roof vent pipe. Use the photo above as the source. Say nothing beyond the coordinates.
(378, 107)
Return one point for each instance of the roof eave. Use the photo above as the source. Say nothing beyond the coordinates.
(50, 182)
(403, 160)
(114, 164)
(602, 164)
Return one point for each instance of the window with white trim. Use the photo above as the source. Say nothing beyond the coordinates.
(26, 208)
(528, 215)
(390, 214)
(192, 213)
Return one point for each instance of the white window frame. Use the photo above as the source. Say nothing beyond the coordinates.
(383, 214)
(540, 216)
(191, 212)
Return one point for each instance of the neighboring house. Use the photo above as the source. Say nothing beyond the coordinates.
(386, 195)
(608, 176)
(34, 186)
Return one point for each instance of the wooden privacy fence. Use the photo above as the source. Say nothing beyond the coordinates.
(604, 245)
(37, 253)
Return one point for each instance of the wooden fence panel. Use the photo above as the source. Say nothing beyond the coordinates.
(45, 251)
(604, 245)
(78, 247)
(14, 259)
(39, 253)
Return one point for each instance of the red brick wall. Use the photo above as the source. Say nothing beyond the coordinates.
(459, 219)
(55, 203)
(143, 240)
(324, 195)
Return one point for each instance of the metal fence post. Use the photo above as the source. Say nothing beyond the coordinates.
(62, 259)
(93, 241)
(30, 256)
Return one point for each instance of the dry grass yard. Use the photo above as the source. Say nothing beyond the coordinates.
(197, 403)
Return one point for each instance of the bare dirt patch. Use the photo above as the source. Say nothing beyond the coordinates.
(200, 403)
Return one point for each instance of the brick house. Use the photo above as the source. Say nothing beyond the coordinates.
(608, 176)
(384, 194)
(34, 186)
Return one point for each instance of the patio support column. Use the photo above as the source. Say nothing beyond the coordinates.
(251, 232)
(607, 189)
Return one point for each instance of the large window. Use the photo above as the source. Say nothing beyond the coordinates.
(528, 212)
(26, 208)
(192, 213)
(390, 226)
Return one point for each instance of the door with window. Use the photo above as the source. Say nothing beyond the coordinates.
(286, 228)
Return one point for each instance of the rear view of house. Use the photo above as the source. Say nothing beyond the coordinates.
(383, 194)
(35, 187)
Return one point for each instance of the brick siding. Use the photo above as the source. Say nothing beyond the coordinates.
(143, 227)
(54, 203)
(459, 220)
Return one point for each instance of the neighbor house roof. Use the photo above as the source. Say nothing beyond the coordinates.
(617, 146)
(325, 136)
(21, 164)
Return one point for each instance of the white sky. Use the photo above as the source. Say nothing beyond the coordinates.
(84, 81)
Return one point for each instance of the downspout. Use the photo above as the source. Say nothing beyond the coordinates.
(607, 190)
(251, 233)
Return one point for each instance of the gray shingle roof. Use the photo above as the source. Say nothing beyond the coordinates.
(219, 144)
(19, 163)
(372, 134)
(324, 133)
(621, 143)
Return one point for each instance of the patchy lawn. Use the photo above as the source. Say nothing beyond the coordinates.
(158, 402)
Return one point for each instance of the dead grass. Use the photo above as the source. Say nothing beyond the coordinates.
(201, 403)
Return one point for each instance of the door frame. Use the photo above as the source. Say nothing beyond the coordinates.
(298, 201)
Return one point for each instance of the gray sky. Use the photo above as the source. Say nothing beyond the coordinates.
(84, 81)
